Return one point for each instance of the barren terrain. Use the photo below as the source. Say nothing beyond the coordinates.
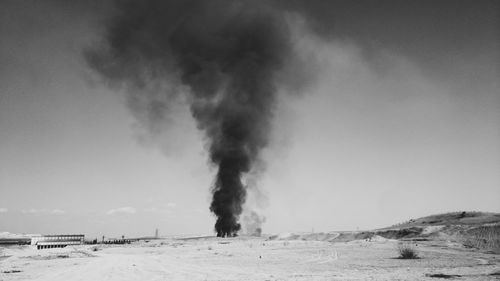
(248, 258)
(460, 246)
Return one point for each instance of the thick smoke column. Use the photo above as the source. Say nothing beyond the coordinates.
(227, 53)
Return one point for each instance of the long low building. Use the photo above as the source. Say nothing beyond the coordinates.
(57, 241)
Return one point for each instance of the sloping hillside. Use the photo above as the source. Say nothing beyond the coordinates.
(454, 218)
(470, 229)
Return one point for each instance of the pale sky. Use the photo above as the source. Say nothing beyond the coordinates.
(401, 120)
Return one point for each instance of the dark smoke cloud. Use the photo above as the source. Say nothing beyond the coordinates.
(224, 56)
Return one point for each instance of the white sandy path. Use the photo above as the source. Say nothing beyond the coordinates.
(134, 264)
(137, 263)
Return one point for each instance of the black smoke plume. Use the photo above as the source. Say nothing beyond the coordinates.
(224, 55)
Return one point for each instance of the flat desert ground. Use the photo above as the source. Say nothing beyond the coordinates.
(248, 258)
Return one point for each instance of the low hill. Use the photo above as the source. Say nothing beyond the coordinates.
(471, 229)
(478, 230)
(453, 218)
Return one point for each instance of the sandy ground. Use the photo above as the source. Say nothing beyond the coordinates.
(246, 259)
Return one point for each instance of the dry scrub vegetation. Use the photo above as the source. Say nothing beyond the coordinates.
(406, 250)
